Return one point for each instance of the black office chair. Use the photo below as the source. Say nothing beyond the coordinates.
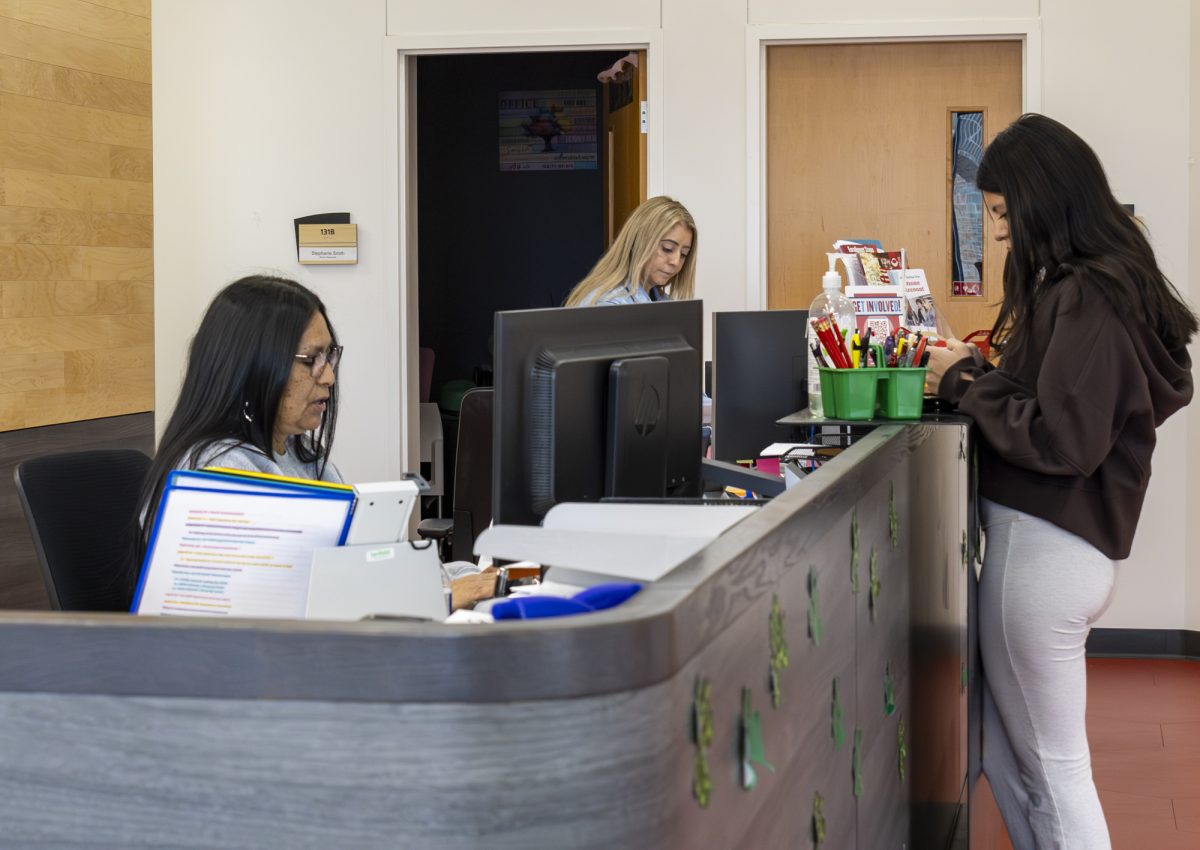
(81, 508)
(472, 511)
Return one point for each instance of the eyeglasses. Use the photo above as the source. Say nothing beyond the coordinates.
(316, 362)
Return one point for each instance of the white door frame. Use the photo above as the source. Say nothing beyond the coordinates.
(400, 212)
(759, 37)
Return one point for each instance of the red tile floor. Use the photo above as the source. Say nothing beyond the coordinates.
(1143, 722)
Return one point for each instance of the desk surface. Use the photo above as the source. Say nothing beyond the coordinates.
(804, 417)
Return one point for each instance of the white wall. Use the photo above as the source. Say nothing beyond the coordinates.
(705, 141)
(1121, 82)
(237, 156)
(270, 110)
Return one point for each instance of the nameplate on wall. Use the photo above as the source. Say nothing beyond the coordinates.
(327, 244)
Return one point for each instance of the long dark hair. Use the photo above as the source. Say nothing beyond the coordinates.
(1063, 220)
(238, 366)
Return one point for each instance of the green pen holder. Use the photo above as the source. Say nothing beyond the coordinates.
(903, 395)
(888, 393)
(850, 393)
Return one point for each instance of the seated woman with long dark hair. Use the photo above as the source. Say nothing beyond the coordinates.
(259, 393)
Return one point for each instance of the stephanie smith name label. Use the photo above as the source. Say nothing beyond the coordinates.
(328, 244)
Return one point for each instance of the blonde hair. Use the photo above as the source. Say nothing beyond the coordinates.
(633, 249)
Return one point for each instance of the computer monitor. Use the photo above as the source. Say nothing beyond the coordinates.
(760, 375)
(594, 402)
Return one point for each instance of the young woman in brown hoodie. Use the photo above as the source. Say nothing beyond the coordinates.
(1093, 341)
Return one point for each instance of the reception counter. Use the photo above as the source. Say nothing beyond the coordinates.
(625, 728)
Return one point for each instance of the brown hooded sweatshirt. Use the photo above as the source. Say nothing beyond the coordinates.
(1067, 422)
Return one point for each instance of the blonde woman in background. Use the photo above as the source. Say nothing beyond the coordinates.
(652, 258)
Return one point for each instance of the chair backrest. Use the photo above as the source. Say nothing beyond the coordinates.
(472, 472)
(81, 508)
(425, 372)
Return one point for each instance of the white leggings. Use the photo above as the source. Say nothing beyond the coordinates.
(1040, 590)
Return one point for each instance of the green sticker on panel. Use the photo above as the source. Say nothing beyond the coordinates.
(893, 519)
(873, 573)
(702, 737)
(779, 652)
(889, 696)
(814, 608)
(902, 749)
(854, 551)
(752, 748)
(856, 763)
(818, 820)
(839, 734)
(701, 779)
(964, 547)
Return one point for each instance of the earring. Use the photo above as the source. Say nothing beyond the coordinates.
(246, 412)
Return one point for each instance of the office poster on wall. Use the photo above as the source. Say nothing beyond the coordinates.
(552, 130)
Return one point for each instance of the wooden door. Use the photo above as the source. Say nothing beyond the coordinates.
(858, 146)
(624, 148)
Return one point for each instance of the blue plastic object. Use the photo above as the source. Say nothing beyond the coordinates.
(591, 599)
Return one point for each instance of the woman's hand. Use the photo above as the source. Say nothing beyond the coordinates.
(941, 359)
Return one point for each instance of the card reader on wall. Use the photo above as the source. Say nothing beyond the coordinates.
(383, 509)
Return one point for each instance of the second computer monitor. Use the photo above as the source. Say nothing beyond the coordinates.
(760, 375)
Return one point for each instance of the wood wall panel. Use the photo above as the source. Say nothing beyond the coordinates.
(65, 191)
(76, 214)
(38, 408)
(117, 263)
(24, 372)
(72, 227)
(60, 156)
(74, 333)
(68, 121)
(24, 261)
(54, 47)
(39, 152)
(130, 163)
(40, 262)
(26, 299)
(133, 7)
(50, 82)
(82, 18)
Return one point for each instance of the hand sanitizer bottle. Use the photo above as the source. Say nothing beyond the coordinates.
(831, 301)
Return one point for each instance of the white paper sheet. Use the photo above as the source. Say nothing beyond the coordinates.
(236, 554)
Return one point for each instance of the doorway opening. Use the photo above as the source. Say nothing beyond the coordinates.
(524, 164)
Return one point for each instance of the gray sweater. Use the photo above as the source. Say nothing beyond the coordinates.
(232, 454)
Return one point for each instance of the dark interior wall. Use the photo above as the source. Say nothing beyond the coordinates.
(492, 240)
